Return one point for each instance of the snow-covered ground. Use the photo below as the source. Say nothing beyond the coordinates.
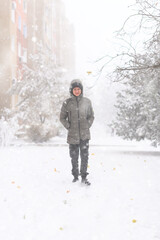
(38, 200)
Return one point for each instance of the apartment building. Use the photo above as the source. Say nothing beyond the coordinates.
(24, 24)
(13, 46)
(48, 25)
(65, 40)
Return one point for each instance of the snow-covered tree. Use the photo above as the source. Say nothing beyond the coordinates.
(138, 103)
(41, 91)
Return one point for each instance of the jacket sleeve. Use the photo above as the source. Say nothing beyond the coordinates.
(90, 114)
(64, 116)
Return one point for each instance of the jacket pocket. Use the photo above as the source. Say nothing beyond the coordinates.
(84, 124)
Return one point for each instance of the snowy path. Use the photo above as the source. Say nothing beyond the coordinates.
(38, 201)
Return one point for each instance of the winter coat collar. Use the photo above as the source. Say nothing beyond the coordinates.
(77, 98)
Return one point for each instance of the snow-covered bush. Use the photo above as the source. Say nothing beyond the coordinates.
(38, 134)
(8, 129)
(41, 133)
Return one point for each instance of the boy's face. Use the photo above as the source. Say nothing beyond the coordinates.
(76, 91)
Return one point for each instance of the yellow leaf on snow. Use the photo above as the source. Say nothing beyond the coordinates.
(18, 187)
(92, 154)
(134, 220)
(13, 182)
(61, 228)
(114, 169)
(68, 191)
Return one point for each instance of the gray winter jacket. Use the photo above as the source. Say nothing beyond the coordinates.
(77, 116)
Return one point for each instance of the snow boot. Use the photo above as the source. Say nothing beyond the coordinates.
(75, 179)
(85, 181)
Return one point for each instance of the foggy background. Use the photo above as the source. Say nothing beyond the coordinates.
(112, 46)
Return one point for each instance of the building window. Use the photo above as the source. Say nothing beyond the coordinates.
(14, 80)
(25, 6)
(13, 44)
(19, 23)
(13, 15)
(13, 11)
(46, 11)
(45, 27)
(25, 31)
(25, 56)
(13, 5)
(47, 30)
(19, 50)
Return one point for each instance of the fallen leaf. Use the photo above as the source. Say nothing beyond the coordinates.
(145, 161)
(55, 170)
(18, 187)
(92, 154)
(131, 199)
(61, 228)
(68, 191)
(13, 182)
(134, 220)
(88, 166)
(114, 168)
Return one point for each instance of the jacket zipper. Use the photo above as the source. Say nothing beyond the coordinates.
(78, 118)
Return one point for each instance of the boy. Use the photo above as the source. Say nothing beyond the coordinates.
(77, 117)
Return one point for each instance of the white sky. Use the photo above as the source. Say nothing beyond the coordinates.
(95, 22)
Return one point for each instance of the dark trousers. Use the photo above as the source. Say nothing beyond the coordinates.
(74, 149)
